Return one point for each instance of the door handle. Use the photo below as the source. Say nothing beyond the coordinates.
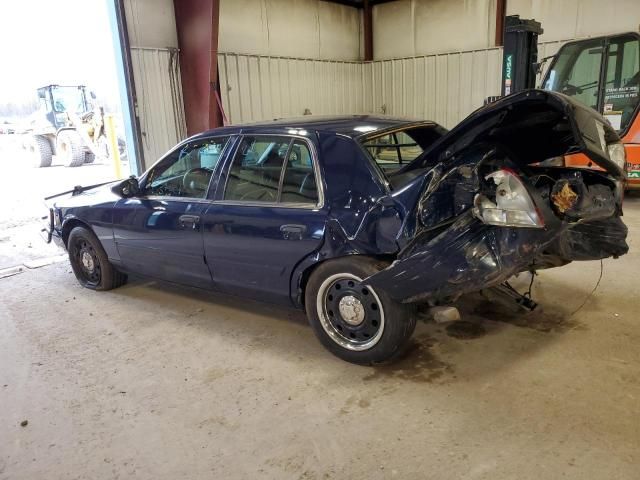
(193, 220)
(293, 231)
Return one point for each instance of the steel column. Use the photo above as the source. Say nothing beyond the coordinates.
(197, 27)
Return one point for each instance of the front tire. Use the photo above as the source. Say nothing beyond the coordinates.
(90, 263)
(69, 148)
(356, 322)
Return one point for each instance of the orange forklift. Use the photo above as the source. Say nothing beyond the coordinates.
(604, 73)
(601, 72)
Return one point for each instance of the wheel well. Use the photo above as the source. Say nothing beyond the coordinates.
(306, 274)
(70, 225)
(65, 129)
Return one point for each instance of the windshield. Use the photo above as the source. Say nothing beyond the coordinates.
(601, 73)
(69, 99)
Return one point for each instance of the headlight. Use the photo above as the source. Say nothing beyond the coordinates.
(617, 154)
(514, 206)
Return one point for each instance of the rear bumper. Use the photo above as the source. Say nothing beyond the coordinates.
(471, 256)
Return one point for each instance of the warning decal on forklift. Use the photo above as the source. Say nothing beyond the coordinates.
(508, 74)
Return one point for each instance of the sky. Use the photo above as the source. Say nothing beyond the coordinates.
(55, 41)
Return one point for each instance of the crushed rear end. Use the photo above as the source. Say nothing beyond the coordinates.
(485, 203)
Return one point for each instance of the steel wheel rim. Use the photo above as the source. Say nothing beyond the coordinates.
(87, 262)
(349, 331)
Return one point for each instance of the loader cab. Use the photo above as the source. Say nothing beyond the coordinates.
(604, 74)
(59, 100)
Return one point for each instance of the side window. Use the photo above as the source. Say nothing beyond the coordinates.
(621, 84)
(259, 172)
(299, 181)
(384, 152)
(409, 148)
(255, 172)
(186, 172)
(392, 150)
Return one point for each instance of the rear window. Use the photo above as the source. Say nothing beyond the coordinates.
(392, 150)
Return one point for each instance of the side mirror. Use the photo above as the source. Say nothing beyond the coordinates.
(128, 188)
(93, 94)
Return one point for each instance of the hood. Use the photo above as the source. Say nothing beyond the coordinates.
(536, 125)
(86, 196)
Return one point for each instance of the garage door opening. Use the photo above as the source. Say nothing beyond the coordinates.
(61, 121)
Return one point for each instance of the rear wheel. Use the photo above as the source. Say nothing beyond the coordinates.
(69, 148)
(90, 262)
(356, 322)
(40, 152)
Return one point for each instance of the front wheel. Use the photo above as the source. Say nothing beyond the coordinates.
(90, 263)
(69, 148)
(356, 322)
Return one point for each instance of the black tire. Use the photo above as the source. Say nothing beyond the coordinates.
(69, 148)
(356, 323)
(90, 262)
(89, 157)
(40, 151)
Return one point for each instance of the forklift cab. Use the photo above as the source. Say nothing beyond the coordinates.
(604, 74)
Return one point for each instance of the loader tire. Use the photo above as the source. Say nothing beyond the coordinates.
(40, 151)
(69, 148)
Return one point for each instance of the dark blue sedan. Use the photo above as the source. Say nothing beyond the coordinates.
(357, 219)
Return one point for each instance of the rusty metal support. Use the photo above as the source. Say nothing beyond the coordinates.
(215, 98)
(197, 25)
(368, 30)
(501, 12)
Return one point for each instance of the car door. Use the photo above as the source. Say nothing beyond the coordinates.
(158, 232)
(268, 215)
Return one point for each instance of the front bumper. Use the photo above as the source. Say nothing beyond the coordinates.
(48, 230)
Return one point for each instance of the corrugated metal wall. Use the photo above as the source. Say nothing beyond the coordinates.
(444, 87)
(156, 72)
(257, 87)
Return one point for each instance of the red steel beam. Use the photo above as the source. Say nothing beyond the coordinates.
(368, 31)
(501, 11)
(197, 26)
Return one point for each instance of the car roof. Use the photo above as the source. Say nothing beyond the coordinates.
(349, 125)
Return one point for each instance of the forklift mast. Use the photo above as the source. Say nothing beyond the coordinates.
(520, 54)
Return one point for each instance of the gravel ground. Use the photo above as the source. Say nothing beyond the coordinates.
(21, 199)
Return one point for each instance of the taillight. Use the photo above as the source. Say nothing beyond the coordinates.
(513, 206)
(617, 154)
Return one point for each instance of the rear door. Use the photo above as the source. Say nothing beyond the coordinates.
(158, 232)
(267, 216)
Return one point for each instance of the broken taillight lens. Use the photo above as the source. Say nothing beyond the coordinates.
(617, 154)
(513, 206)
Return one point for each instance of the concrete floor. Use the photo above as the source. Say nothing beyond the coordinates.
(162, 382)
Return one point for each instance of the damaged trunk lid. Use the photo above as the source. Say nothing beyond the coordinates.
(480, 207)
